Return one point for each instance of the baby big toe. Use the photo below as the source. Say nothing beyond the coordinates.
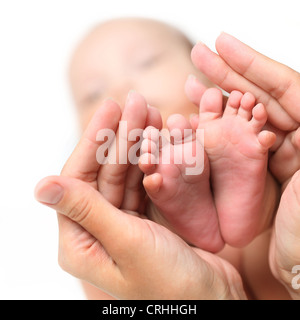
(211, 105)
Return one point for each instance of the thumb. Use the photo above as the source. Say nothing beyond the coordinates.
(85, 205)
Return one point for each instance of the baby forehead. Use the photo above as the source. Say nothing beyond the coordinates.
(136, 29)
(123, 39)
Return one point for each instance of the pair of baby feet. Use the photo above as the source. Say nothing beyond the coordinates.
(225, 202)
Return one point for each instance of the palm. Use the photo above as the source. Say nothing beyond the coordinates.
(123, 253)
(285, 243)
(160, 257)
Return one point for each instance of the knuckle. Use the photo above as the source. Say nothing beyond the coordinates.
(115, 177)
(80, 210)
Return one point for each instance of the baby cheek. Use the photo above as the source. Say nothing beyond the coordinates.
(161, 86)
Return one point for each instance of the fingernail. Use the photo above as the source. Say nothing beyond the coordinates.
(192, 77)
(192, 115)
(130, 93)
(108, 99)
(48, 193)
(223, 32)
(200, 42)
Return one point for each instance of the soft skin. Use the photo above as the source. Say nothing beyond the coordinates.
(133, 54)
(123, 254)
(245, 78)
(239, 67)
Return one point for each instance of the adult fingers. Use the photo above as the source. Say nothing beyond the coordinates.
(83, 163)
(134, 191)
(112, 177)
(194, 89)
(285, 243)
(280, 81)
(220, 73)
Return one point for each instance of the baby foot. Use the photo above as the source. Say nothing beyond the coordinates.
(238, 154)
(182, 199)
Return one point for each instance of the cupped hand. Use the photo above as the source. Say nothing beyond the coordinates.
(239, 67)
(130, 257)
(285, 244)
(123, 254)
(119, 182)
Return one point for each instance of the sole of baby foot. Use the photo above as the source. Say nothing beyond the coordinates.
(238, 154)
(184, 200)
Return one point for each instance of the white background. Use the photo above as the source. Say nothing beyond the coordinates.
(38, 127)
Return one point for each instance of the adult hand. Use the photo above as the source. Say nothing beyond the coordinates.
(119, 183)
(238, 67)
(123, 254)
(285, 244)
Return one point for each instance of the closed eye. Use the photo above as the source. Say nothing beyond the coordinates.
(149, 61)
(91, 98)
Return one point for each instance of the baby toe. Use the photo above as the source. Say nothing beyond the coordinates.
(211, 105)
(233, 103)
(259, 118)
(180, 128)
(247, 104)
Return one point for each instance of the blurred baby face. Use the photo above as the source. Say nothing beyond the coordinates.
(132, 54)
